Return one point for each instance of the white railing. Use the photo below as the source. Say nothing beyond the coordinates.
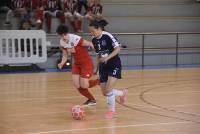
(23, 46)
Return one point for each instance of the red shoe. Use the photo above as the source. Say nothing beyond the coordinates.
(123, 98)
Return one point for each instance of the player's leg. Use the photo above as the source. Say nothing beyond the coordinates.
(93, 83)
(103, 88)
(76, 80)
(107, 83)
(114, 75)
(82, 91)
(84, 85)
(108, 91)
(86, 73)
(76, 71)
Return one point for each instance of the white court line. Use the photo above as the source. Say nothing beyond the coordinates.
(111, 127)
(153, 107)
(101, 109)
(72, 97)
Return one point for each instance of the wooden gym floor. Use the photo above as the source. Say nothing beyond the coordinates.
(163, 101)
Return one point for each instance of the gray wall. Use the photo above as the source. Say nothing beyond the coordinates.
(133, 56)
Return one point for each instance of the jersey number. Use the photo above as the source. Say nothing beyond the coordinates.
(114, 72)
(99, 46)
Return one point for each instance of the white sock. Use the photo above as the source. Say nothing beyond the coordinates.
(117, 92)
(111, 101)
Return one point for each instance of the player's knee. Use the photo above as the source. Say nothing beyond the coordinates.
(84, 85)
(77, 85)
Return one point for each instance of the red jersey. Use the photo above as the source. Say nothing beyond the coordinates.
(20, 4)
(36, 4)
(95, 9)
(81, 55)
(70, 5)
(52, 5)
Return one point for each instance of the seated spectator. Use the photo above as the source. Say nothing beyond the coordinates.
(49, 9)
(81, 4)
(25, 23)
(70, 11)
(5, 6)
(94, 10)
(18, 8)
(95, 13)
(38, 11)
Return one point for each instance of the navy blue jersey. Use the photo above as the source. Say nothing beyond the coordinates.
(103, 47)
(106, 45)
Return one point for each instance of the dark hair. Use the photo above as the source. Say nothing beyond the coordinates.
(94, 24)
(103, 23)
(98, 24)
(62, 29)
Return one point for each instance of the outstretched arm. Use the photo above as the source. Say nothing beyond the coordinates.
(87, 43)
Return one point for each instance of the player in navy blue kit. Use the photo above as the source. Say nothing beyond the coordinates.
(107, 48)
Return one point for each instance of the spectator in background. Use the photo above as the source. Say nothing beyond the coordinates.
(70, 11)
(25, 23)
(49, 9)
(5, 6)
(82, 3)
(21, 9)
(38, 9)
(95, 10)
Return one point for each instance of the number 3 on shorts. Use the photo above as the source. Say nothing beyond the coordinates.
(115, 72)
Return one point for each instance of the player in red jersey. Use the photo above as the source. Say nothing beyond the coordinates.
(82, 68)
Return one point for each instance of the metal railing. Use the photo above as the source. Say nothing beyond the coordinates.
(145, 47)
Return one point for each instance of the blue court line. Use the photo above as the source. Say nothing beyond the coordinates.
(160, 54)
(139, 67)
(168, 66)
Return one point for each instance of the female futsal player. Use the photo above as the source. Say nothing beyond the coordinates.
(107, 48)
(82, 68)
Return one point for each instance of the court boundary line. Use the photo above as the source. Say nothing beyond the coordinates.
(141, 96)
(72, 97)
(158, 114)
(111, 127)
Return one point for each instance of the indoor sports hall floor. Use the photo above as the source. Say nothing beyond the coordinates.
(165, 101)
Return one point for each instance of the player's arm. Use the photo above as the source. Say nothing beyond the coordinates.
(88, 44)
(117, 47)
(64, 58)
(111, 55)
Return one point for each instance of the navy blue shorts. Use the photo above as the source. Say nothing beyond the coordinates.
(113, 70)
